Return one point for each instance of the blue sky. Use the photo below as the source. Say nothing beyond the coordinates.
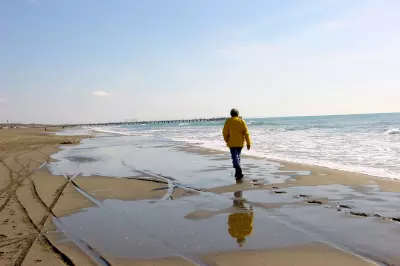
(97, 60)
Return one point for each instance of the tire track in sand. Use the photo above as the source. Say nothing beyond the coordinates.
(30, 241)
(37, 234)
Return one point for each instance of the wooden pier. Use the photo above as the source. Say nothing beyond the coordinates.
(148, 122)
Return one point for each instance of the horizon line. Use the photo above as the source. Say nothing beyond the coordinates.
(186, 119)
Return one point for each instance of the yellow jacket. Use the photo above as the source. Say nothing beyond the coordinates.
(235, 132)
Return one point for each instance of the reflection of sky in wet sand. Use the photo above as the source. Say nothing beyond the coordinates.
(210, 222)
(386, 204)
(146, 229)
(371, 235)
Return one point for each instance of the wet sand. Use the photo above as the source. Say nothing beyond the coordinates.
(31, 199)
(326, 176)
(127, 188)
(311, 254)
(88, 220)
(305, 255)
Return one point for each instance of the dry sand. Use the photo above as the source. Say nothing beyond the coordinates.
(31, 198)
(24, 215)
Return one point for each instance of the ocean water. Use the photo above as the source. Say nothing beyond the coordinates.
(368, 144)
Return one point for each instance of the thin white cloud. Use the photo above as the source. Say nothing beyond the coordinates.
(3, 100)
(101, 94)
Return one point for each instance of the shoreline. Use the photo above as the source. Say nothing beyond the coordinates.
(337, 176)
(57, 196)
(265, 157)
(371, 169)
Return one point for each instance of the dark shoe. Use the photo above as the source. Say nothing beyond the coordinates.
(238, 178)
(238, 173)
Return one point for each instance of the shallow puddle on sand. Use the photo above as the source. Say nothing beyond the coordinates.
(210, 223)
(372, 201)
(148, 229)
(365, 236)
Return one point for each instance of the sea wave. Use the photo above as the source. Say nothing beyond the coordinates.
(393, 131)
(290, 127)
(103, 130)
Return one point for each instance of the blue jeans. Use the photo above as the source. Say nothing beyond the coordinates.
(235, 153)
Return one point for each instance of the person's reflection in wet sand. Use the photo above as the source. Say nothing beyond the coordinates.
(240, 223)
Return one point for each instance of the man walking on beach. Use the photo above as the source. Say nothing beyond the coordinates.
(235, 133)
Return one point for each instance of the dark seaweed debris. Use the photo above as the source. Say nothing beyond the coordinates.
(280, 192)
(362, 214)
(343, 206)
(314, 202)
(301, 196)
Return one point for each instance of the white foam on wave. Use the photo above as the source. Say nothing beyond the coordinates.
(127, 131)
(106, 130)
(372, 171)
(346, 152)
(393, 131)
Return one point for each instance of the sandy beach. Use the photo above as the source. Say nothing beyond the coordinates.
(147, 218)
(204, 133)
